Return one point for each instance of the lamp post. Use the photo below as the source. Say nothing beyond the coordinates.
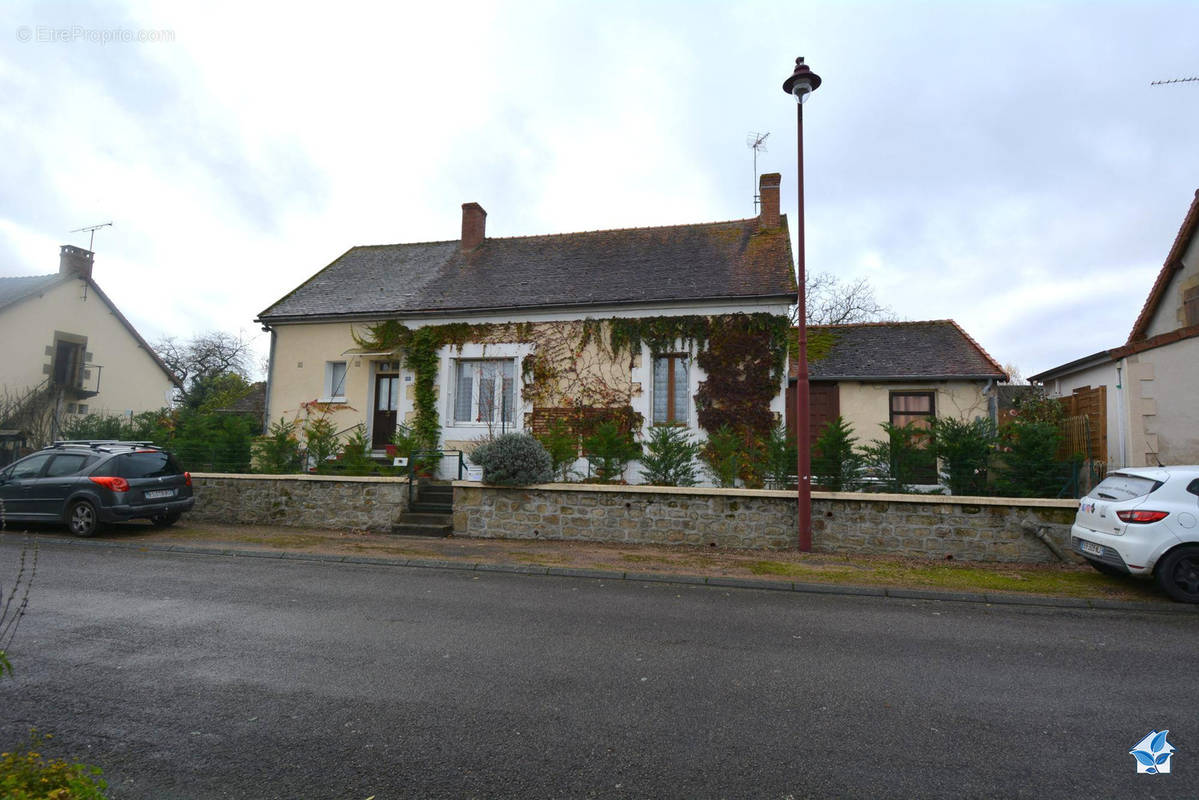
(800, 85)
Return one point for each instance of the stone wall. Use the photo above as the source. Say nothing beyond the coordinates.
(968, 529)
(304, 501)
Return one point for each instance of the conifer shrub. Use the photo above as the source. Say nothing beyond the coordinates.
(669, 458)
(610, 449)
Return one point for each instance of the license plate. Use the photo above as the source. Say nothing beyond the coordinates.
(157, 493)
(1091, 547)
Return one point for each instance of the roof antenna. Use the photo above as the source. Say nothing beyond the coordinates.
(92, 229)
(1175, 80)
(757, 143)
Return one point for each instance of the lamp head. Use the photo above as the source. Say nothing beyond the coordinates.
(802, 82)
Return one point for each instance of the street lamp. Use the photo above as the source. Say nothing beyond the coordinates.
(801, 84)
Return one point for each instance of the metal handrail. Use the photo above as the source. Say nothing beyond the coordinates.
(416, 455)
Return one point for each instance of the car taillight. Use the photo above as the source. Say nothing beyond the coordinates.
(187, 479)
(115, 484)
(1142, 516)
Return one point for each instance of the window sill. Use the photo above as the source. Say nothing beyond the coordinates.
(331, 400)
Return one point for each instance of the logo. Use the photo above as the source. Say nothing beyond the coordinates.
(1153, 753)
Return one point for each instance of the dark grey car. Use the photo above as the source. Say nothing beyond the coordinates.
(84, 483)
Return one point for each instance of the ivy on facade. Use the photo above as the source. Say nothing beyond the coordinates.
(744, 355)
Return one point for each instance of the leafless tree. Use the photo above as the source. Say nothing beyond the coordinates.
(1015, 375)
(205, 356)
(832, 301)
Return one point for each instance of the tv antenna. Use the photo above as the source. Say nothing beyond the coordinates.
(756, 142)
(1175, 80)
(92, 230)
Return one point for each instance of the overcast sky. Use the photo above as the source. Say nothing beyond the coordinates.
(1006, 165)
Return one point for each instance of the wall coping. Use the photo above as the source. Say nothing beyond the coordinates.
(243, 476)
(935, 499)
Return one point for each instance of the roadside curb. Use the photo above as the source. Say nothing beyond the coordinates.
(646, 577)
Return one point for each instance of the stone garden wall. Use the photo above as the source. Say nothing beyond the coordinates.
(303, 501)
(924, 526)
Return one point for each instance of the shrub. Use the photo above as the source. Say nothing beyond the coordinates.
(278, 453)
(836, 461)
(513, 459)
(29, 775)
(781, 458)
(563, 446)
(354, 458)
(901, 459)
(609, 449)
(1029, 462)
(722, 456)
(669, 458)
(320, 439)
(965, 450)
(406, 442)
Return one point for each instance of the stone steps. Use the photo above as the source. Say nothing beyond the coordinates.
(416, 523)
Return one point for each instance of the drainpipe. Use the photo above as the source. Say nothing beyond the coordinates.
(1039, 531)
(1121, 417)
(270, 372)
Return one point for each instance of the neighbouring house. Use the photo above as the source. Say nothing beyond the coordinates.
(1141, 395)
(70, 352)
(896, 372)
(463, 339)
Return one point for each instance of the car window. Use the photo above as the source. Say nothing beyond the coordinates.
(149, 464)
(68, 464)
(1119, 486)
(1193, 487)
(30, 467)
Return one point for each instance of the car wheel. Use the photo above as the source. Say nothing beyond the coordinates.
(1108, 569)
(166, 520)
(1178, 574)
(82, 519)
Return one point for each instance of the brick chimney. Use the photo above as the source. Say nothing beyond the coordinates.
(768, 192)
(75, 261)
(474, 226)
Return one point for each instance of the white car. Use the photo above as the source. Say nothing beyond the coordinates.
(1144, 521)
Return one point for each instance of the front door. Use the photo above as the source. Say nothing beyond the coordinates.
(387, 400)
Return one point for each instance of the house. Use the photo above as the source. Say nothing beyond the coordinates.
(463, 339)
(1143, 392)
(70, 352)
(896, 372)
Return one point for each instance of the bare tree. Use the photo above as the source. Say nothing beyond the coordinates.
(205, 356)
(832, 301)
(1015, 374)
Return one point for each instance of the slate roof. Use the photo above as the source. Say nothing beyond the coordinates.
(721, 260)
(890, 351)
(15, 289)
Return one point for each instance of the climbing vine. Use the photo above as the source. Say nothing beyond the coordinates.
(744, 355)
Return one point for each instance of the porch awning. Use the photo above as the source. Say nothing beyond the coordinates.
(365, 351)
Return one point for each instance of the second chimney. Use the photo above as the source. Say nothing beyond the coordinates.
(75, 261)
(474, 225)
(768, 192)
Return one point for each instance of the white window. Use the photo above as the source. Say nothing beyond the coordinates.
(671, 394)
(484, 391)
(335, 380)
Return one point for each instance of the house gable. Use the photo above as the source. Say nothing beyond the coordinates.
(1172, 306)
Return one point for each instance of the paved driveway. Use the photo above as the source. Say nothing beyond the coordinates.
(208, 676)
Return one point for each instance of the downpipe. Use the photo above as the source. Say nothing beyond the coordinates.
(1039, 531)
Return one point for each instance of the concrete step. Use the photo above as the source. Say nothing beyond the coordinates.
(413, 523)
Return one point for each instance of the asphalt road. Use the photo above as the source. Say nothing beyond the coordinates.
(187, 676)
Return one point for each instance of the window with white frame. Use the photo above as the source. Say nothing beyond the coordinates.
(671, 383)
(335, 380)
(484, 391)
